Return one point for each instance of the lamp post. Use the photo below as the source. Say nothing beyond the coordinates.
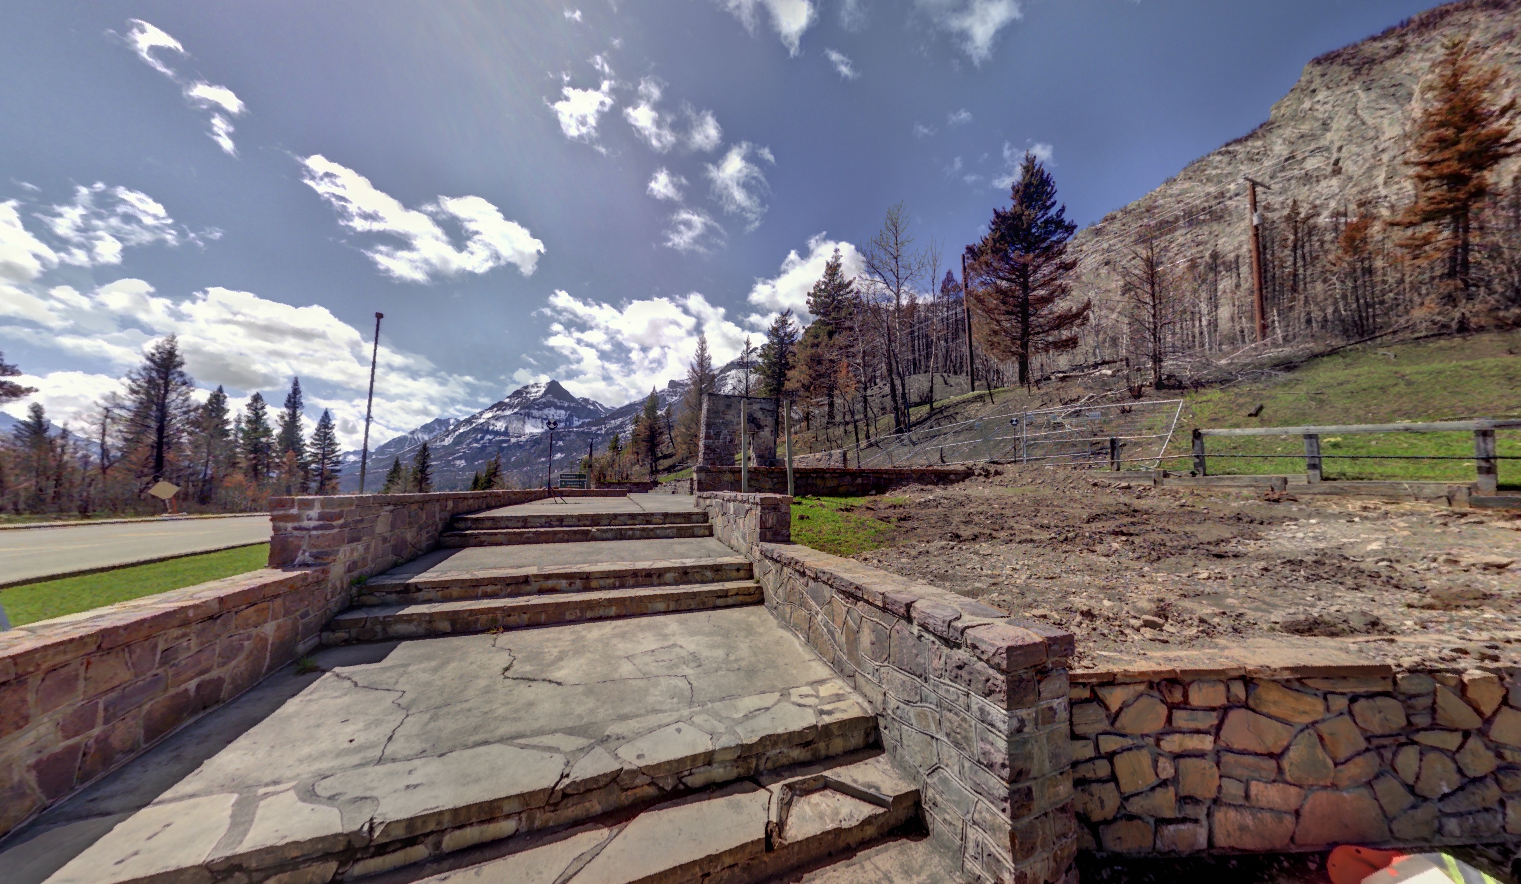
(549, 466)
(364, 453)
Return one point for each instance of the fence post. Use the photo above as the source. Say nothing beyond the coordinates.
(1312, 457)
(1114, 454)
(1199, 452)
(1485, 460)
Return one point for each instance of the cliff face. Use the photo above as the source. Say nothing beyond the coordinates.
(1335, 143)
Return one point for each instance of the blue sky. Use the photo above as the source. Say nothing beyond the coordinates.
(531, 190)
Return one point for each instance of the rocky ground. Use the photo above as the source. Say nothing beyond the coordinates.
(1132, 569)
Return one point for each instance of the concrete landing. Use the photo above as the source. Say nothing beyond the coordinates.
(403, 751)
(632, 503)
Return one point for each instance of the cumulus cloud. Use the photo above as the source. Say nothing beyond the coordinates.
(789, 288)
(958, 118)
(1013, 156)
(739, 184)
(573, 15)
(579, 109)
(922, 131)
(429, 252)
(102, 220)
(974, 23)
(615, 354)
(666, 186)
(841, 64)
(69, 397)
(692, 230)
(789, 18)
(152, 45)
(23, 257)
(703, 132)
(650, 124)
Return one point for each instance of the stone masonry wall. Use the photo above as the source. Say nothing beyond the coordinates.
(825, 481)
(973, 702)
(1231, 760)
(81, 695)
(718, 444)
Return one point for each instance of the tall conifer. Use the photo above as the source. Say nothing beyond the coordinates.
(327, 461)
(256, 440)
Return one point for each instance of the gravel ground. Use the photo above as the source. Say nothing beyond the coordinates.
(1133, 569)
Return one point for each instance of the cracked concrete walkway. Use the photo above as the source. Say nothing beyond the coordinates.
(400, 739)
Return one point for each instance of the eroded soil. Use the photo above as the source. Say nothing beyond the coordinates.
(1133, 569)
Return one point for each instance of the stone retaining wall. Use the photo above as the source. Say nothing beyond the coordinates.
(81, 695)
(1232, 760)
(973, 702)
(825, 481)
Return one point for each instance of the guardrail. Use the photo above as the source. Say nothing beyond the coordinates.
(1486, 459)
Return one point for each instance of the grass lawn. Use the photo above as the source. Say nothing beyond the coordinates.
(70, 595)
(831, 524)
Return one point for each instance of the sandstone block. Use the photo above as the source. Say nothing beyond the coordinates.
(1454, 712)
(1411, 683)
(1250, 828)
(1198, 778)
(1352, 817)
(1088, 719)
(1342, 738)
(1081, 750)
(1098, 769)
(1133, 771)
(1475, 759)
(1274, 796)
(1379, 715)
(1506, 728)
(1483, 691)
(1481, 794)
(1272, 698)
(1236, 689)
(1232, 791)
(1306, 763)
(1109, 743)
(1474, 826)
(1247, 767)
(1439, 775)
(1449, 740)
(1357, 771)
(1392, 796)
(1165, 767)
(1247, 731)
(1407, 763)
(1126, 836)
(1173, 692)
(1161, 802)
(1513, 816)
(1509, 779)
(1194, 719)
(1114, 696)
(1416, 824)
(1206, 693)
(1145, 715)
(1183, 744)
(1096, 802)
(1182, 837)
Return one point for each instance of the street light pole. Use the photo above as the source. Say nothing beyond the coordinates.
(364, 453)
(549, 467)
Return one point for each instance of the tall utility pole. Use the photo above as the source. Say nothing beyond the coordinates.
(549, 465)
(966, 304)
(1256, 219)
(369, 402)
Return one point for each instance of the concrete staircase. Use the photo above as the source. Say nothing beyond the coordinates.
(704, 745)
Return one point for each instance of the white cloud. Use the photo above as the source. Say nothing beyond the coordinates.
(23, 257)
(739, 184)
(704, 134)
(958, 118)
(616, 354)
(490, 239)
(68, 397)
(1012, 157)
(922, 131)
(841, 64)
(145, 40)
(599, 62)
(103, 220)
(666, 186)
(852, 15)
(975, 22)
(579, 110)
(573, 15)
(790, 18)
(651, 125)
(692, 230)
(789, 288)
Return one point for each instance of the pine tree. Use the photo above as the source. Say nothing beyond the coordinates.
(160, 407)
(615, 446)
(213, 444)
(1020, 274)
(647, 432)
(290, 446)
(327, 460)
(10, 391)
(421, 478)
(816, 365)
(701, 380)
(256, 441)
(1459, 139)
(777, 354)
(492, 477)
(34, 447)
(396, 478)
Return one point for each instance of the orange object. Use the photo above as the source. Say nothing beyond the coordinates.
(1350, 865)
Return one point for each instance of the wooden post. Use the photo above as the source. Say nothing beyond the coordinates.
(1485, 459)
(1256, 223)
(1199, 453)
(1114, 454)
(1312, 471)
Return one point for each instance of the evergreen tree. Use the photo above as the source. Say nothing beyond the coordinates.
(256, 441)
(290, 446)
(776, 355)
(10, 391)
(160, 407)
(832, 298)
(615, 446)
(213, 444)
(647, 431)
(492, 477)
(1459, 140)
(1020, 274)
(327, 461)
(701, 380)
(32, 431)
(421, 477)
(396, 478)
(34, 447)
(816, 364)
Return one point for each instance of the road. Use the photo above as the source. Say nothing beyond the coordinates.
(35, 553)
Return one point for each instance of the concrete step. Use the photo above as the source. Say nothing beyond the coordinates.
(576, 534)
(384, 622)
(447, 586)
(739, 833)
(497, 522)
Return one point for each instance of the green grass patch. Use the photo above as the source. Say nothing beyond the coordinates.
(679, 474)
(830, 524)
(70, 595)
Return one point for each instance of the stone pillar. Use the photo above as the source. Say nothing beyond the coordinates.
(718, 443)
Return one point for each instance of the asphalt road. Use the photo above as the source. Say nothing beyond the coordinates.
(35, 553)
